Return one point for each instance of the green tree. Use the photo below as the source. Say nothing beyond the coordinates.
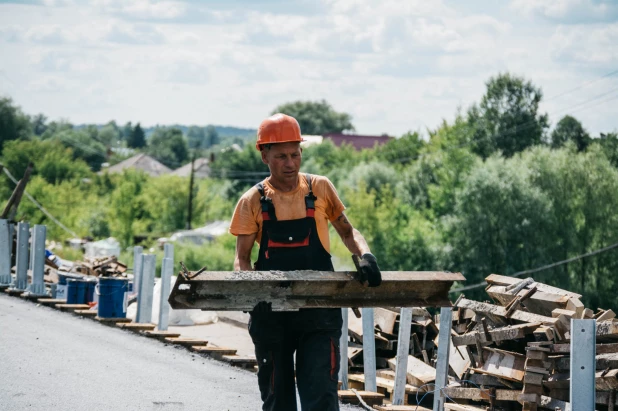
(127, 131)
(169, 146)
(211, 136)
(127, 206)
(137, 139)
(570, 129)
(507, 118)
(52, 161)
(316, 117)
(91, 151)
(108, 135)
(13, 123)
(196, 137)
(401, 150)
(39, 124)
(609, 145)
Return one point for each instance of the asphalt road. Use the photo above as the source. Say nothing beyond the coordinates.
(51, 360)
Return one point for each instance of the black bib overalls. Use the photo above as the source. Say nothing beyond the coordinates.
(312, 333)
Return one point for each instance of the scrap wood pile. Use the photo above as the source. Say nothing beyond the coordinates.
(510, 354)
(90, 267)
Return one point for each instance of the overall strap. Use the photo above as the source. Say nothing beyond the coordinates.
(268, 209)
(310, 198)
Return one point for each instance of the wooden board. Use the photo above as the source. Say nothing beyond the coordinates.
(86, 313)
(213, 351)
(503, 364)
(246, 361)
(186, 342)
(391, 407)
(510, 332)
(418, 373)
(291, 290)
(136, 326)
(51, 301)
(460, 407)
(386, 320)
(72, 307)
(540, 302)
(386, 383)
(497, 313)
(161, 334)
(506, 281)
(355, 330)
(112, 320)
(349, 397)
(600, 348)
(477, 394)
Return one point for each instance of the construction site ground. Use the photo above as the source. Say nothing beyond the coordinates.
(56, 360)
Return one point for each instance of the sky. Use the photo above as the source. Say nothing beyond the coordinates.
(394, 65)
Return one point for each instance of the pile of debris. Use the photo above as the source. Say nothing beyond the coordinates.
(510, 355)
(90, 267)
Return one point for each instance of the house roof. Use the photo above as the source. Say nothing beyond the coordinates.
(356, 140)
(202, 169)
(140, 162)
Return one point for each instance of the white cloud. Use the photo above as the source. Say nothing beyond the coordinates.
(569, 11)
(586, 45)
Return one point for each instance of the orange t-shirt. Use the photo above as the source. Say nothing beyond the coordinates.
(247, 218)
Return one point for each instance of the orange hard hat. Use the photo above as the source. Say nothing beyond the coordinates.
(278, 128)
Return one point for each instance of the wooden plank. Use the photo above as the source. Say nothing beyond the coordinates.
(355, 354)
(240, 360)
(355, 330)
(213, 351)
(112, 320)
(72, 307)
(290, 290)
(607, 315)
(349, 397)
(136, 326)
(510, 332)
(496, 279)
(385, 320)
(418, 373)
(503, 364)
(461, 407)
(497, 313)
(185, 342)
(386, 383)
(600, 348)
(478, 394)
(86, 313)
(51, 301)
(606, 380)
(161, 334)
(391, 407)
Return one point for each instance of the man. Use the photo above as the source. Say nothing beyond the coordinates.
(287, 214)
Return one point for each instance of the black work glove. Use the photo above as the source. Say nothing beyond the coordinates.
(369, 270)
(262, 307)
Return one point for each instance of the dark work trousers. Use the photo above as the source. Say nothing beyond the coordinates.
(313, 334)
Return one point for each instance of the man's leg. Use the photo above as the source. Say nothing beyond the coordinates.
(317, 370)
(275, 357)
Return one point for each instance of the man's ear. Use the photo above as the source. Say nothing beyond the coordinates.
(264, 159)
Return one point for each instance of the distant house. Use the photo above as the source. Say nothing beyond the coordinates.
(357, 141)
(139, 162)
(202, 169)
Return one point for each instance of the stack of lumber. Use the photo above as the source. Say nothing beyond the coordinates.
(511, 354)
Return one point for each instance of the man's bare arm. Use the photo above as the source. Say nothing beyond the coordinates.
(244, 245)
(351, 237)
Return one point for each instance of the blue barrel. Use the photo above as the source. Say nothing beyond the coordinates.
(90, 291)
(76, 291)
(112, 297)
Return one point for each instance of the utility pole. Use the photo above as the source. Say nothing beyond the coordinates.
(190, 205)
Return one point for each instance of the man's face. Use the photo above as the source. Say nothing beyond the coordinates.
(284, 160)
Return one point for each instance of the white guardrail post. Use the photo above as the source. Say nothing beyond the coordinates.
(6, 251)
(369, 350)
(403, 348)
(144, 299)
(37, 287)
(21, 277)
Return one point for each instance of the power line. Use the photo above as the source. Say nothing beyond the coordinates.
(39, 206)
(543, 268)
